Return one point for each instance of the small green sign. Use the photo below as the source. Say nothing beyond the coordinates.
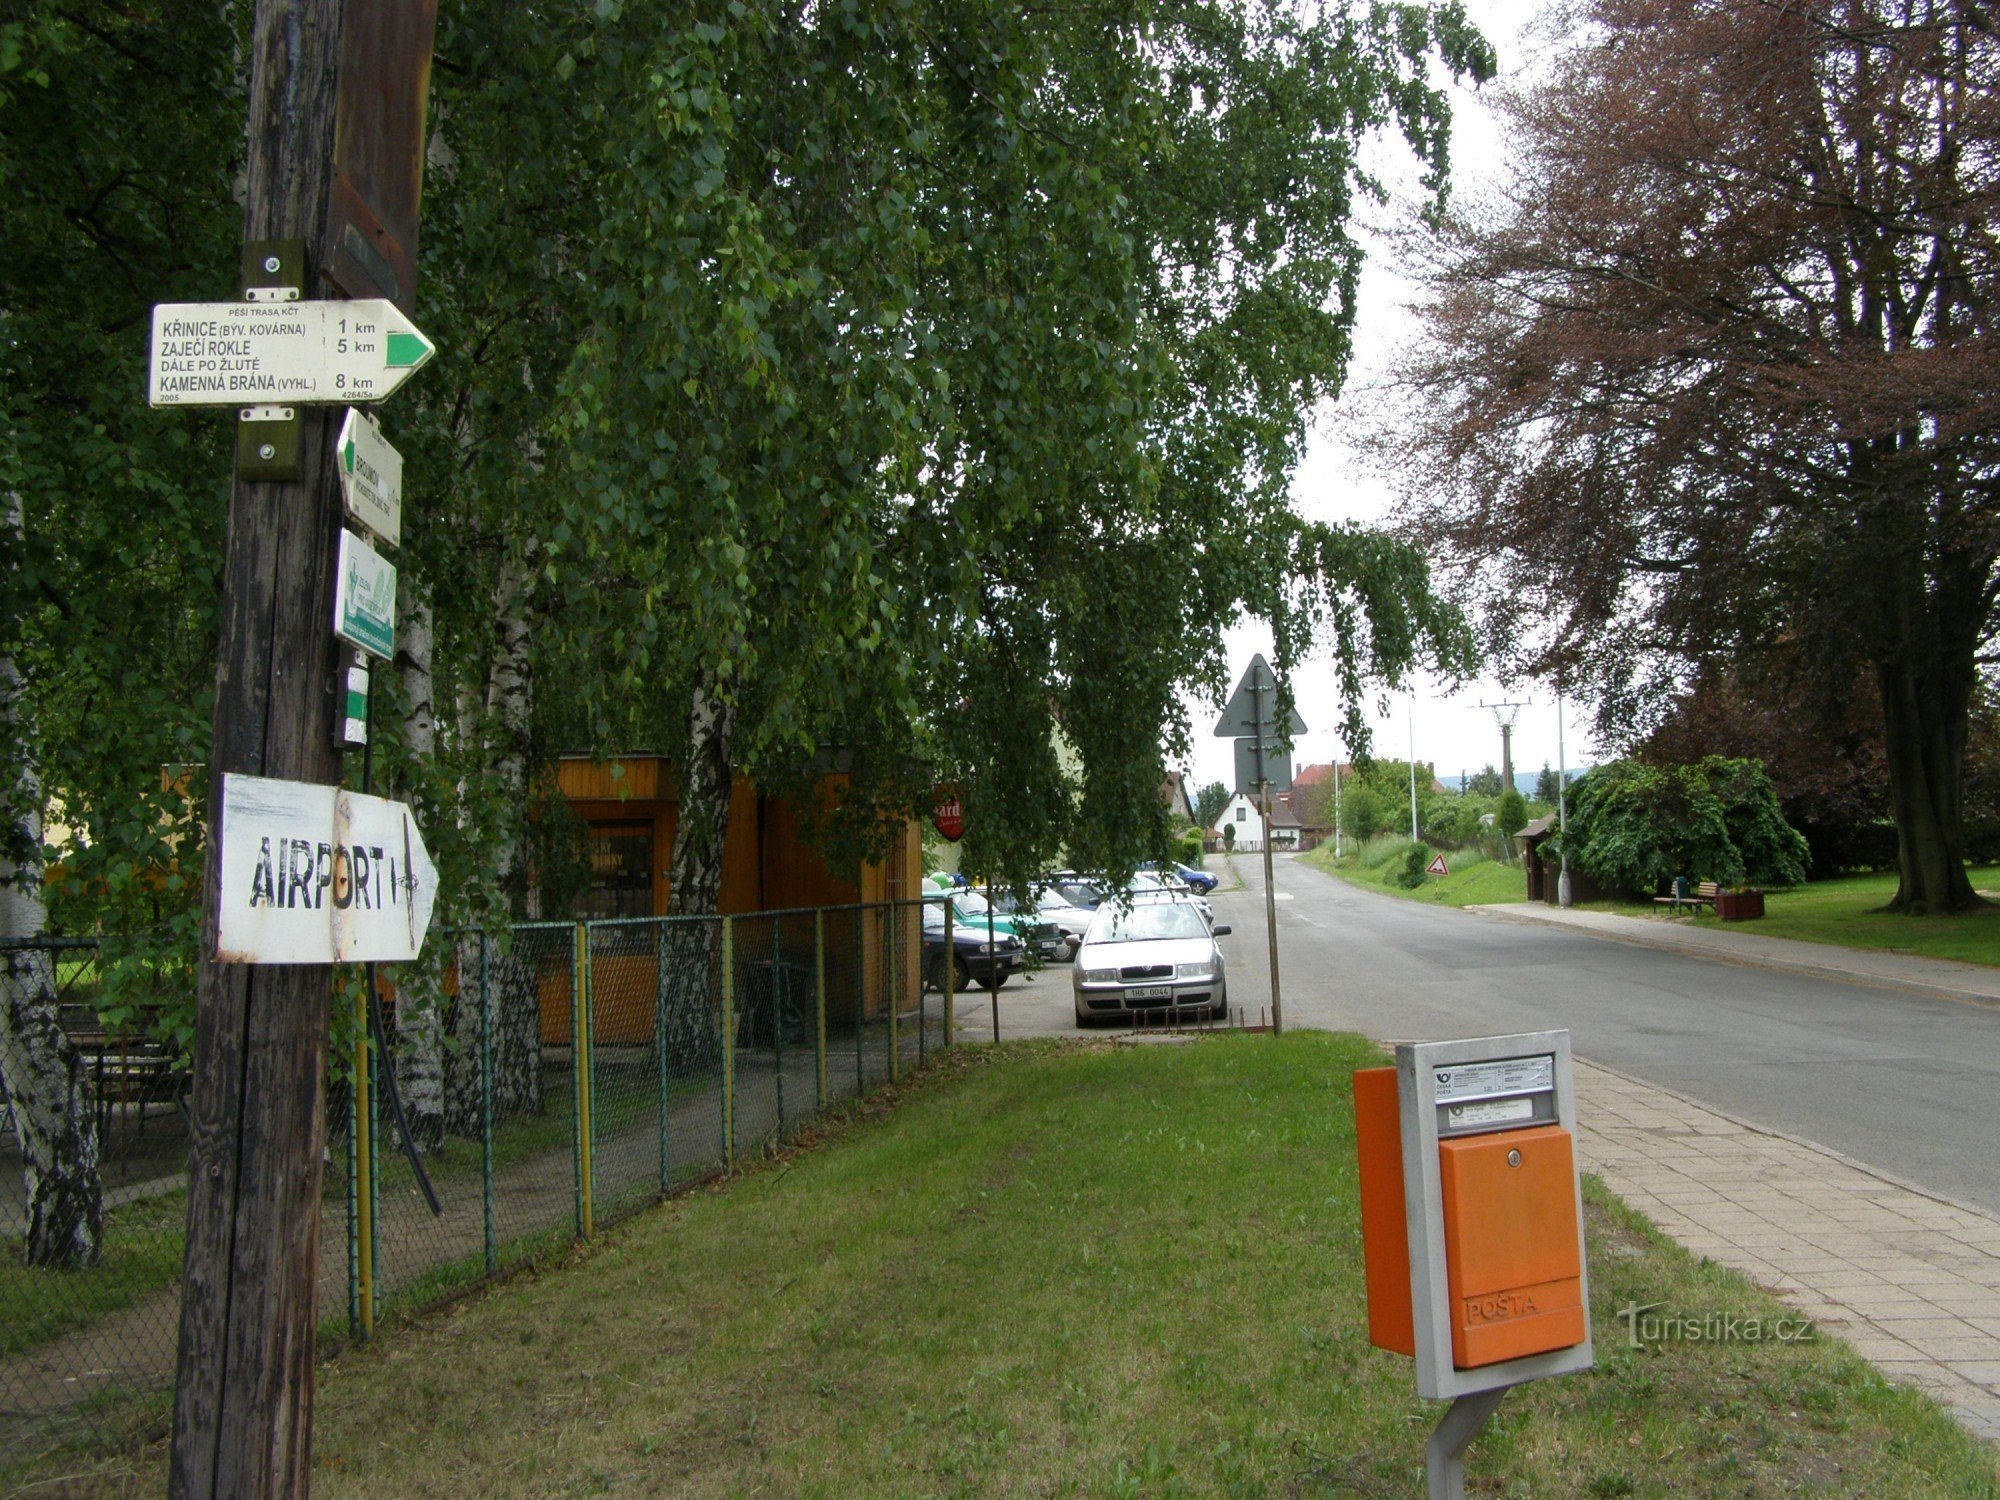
(364, 598)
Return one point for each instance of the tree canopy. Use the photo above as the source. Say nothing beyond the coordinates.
(1714, 379)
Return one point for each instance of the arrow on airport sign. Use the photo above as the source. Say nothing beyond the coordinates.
(316, 875)
(264, 353)
(371, 476)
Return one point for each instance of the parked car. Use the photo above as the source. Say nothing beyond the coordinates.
(975, 958)
(1152, 883)
(1081, 891)
(1156, 956)
(1042, 940)
(1059, 924)
(1199, 881)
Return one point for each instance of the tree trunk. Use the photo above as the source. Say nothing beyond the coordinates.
(42, 1079)
(420, 1000)
(693, 1008)
(516, 1010)
(1924, 725)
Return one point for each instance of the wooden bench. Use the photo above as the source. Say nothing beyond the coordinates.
(1701, 895)
(127, 1068)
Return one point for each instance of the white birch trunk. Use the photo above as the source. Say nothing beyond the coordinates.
(516, 1013)
(44, 1081)
(420, 1000)
(693, 1005)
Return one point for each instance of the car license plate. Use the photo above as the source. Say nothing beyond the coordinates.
(1151, 992)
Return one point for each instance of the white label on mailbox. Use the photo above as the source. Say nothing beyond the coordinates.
(1486, 1080)
(1494, 1112)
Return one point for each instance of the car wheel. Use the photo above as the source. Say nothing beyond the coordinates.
(999, 981)
(961, 974)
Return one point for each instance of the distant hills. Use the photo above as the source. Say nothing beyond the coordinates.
(1523, 780)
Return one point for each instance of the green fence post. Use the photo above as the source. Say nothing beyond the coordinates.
(819, 1006)
(576, 1083)
(728, 1044)
(860, 994)
(660, 1045)
(585, 1131)
(890, 945)
(778, 997)
(355, 1091)
(486, 1100)
(372, 1267)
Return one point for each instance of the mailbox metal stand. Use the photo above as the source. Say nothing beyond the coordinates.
(1444, 1454)
(1488, 1243)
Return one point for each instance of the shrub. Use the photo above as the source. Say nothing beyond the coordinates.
(1187, 848)
(1511, 816)
(1634, 827)
(1361, 813)
(1416, 860)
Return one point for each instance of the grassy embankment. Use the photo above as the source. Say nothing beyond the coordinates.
(1075, 1269)
(1847, 913)
(1474, 880)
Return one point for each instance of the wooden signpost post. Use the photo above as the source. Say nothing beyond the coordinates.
(242, 1423)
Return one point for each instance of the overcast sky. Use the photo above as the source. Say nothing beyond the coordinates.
(1336, 483)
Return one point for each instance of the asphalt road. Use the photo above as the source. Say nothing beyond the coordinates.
(1905, 1084)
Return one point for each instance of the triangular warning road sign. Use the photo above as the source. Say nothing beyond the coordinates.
(1253, 708)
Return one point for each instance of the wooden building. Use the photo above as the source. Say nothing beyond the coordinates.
(629, 809)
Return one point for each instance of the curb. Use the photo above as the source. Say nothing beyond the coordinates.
(1745, 960)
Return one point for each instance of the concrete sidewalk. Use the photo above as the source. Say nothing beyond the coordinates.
(1910, 1280)
(1974, 983)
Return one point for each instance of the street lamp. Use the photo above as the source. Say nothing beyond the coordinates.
(1562, 805)
(1413, 765)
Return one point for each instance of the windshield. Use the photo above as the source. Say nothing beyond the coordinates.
(1149, 920)
(971, 904)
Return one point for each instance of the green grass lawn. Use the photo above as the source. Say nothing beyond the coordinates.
(142, 1246)
(1846, 912)
(1474, 879)
(1074, 1269)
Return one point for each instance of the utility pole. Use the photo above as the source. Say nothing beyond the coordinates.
(1562, 806)
(243, 1396)
(1504, 715)
(1413, 765)
(330, 193)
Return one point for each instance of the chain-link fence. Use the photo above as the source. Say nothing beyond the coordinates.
(553, 1076)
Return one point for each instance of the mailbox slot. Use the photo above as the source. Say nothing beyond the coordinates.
(1510, 1244)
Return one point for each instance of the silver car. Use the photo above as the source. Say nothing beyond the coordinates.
(1154, 957)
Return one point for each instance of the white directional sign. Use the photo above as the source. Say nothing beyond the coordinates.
(371, 476)
(257, 353)
(364, 598)
(316, 875)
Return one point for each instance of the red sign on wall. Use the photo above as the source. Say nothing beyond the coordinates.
(949, 819)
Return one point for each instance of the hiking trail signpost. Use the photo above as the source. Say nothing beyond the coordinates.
(302, 874)
(1263, 764)
(264, 351)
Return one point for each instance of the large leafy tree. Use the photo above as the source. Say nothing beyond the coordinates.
(1714, 381)
(947, 366)
(118, 138)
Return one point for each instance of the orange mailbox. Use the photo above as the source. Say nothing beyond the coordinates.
(1471, 1218)
(1512, 1259)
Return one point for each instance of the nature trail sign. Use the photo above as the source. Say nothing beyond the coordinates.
(317, 875)
(364, 598)
(260, 352)
(371, 477)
